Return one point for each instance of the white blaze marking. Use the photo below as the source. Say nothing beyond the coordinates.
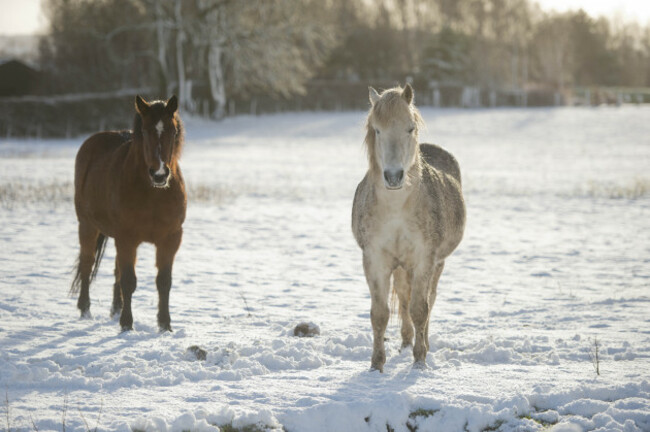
(161, 166)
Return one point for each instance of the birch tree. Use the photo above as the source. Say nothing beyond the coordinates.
(269, 46)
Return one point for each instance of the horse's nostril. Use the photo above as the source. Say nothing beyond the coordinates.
(393, 178)
(159, 176)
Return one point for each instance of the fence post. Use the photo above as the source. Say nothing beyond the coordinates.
(436, 98)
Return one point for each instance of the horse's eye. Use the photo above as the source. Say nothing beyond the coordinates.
(411, 130)
(377, 131)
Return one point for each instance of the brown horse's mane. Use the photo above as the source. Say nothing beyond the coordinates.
(156, 111)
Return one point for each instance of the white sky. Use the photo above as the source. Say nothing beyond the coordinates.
(21, 17)
(25, 17)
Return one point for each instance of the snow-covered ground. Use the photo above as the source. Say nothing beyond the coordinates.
(556, 255)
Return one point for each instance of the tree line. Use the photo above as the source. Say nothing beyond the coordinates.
(212, 51)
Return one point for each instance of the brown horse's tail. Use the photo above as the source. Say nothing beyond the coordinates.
(99, 254)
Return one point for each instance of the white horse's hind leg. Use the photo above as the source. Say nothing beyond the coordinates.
(433, 290)
(378, 277)
(420, 308)
(402, 288)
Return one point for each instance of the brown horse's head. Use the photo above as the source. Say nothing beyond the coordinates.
(158, 127)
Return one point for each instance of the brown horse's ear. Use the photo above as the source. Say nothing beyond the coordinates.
(373, 96)
(172, 105)
(407, 94)
(141, 106)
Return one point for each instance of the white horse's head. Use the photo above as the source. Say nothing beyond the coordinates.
(392, 135)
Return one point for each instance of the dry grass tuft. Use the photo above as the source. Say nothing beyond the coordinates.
(637, 188)
(54, 194)
(12, 193)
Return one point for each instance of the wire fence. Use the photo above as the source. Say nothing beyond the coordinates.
(72, 115)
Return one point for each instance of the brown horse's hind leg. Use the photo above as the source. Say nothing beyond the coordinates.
(165, 252)
(87, 243)
(116, 307)
(402, 288)
(126, 261)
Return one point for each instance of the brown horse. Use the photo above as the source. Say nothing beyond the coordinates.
(128, 186)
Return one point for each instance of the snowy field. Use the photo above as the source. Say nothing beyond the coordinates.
(556, 256)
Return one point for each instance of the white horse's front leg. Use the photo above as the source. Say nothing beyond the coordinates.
(402, 287)
(378, 276)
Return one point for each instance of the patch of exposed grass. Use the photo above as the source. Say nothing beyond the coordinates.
(494, 427)
(420, 412)
(249, 428)
(540, 422)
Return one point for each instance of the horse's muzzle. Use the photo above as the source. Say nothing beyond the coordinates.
(159, 178)
(394, 179)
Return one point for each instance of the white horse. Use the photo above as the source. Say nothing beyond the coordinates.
(408, 216)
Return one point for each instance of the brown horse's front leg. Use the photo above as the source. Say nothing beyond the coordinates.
(116, 307)
(165, 252)
(126, 252)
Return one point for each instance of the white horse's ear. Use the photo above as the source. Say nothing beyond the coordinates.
(407, 94)
(373, 96)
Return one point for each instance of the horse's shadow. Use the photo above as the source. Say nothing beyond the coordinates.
(368, 400)
(82, 351)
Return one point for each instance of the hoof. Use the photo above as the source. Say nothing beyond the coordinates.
(405, 346)
(420, 365)
(162, 328)
(85, 314)
(127, 328)
(116, 312)
(377, 367)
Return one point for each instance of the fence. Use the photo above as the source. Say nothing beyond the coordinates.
(66, 115)
(73, 115)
